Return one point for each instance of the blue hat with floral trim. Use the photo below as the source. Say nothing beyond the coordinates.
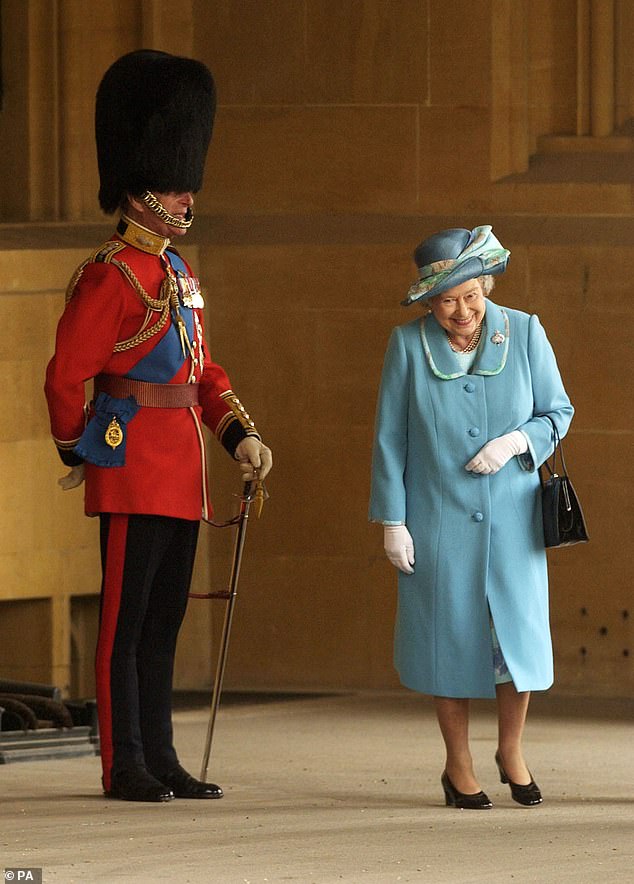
(453, 256)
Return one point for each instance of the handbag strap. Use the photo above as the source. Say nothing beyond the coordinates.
(557, 449)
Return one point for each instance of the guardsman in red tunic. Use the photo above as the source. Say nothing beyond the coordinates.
(133, 324)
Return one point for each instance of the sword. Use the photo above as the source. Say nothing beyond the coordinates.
(254, 494)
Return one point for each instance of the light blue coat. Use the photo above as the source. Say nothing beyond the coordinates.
(478, 539)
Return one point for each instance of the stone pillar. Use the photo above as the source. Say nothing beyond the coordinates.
(583, 67)
(28, 136)
(602, 68)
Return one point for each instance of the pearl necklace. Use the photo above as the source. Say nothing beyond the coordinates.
(473, 343)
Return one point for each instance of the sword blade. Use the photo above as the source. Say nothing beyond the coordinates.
(226, 628)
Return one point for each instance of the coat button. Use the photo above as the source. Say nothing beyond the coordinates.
(469, 387)
(477, 517)
(474, 431)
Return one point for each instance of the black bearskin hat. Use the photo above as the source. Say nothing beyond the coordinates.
(153, 121)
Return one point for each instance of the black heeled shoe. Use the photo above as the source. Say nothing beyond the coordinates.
(528, 795)
(454, 798)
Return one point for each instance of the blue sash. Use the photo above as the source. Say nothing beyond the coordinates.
(165, 359)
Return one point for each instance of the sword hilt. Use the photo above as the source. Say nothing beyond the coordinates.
(255, 494)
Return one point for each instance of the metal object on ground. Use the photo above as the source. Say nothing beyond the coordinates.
(254, 494)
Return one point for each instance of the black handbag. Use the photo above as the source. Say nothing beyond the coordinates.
(564, 524)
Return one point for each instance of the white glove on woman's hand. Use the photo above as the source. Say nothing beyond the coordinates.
(497, 452)
(72, 479)
(253, 455)
(399, 547)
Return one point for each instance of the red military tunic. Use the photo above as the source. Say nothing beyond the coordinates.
(165, 470)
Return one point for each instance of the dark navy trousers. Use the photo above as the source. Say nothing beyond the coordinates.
(147, 564)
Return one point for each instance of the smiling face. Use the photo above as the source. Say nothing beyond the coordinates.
(460, 310)
(175, 203)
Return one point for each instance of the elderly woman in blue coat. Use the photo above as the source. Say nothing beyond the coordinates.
(463, 423)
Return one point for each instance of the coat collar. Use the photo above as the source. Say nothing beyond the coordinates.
(492, 350)
(135, 234)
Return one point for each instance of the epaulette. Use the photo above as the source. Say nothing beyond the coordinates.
(105, 254)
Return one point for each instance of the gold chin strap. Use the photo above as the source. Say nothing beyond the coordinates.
(159, 209)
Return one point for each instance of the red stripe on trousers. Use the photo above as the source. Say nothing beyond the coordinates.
(111, 601)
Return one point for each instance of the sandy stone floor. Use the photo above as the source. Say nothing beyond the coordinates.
(321, 790)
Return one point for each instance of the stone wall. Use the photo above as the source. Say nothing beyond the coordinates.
(346, 132)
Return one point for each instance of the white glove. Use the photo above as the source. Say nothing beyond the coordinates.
(253, 456)
(399, 547)
(72, 479)
(497, 452)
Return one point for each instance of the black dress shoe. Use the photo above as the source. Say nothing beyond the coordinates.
(184, 785)
(136, 784)
(527, 795)
(454, 798)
